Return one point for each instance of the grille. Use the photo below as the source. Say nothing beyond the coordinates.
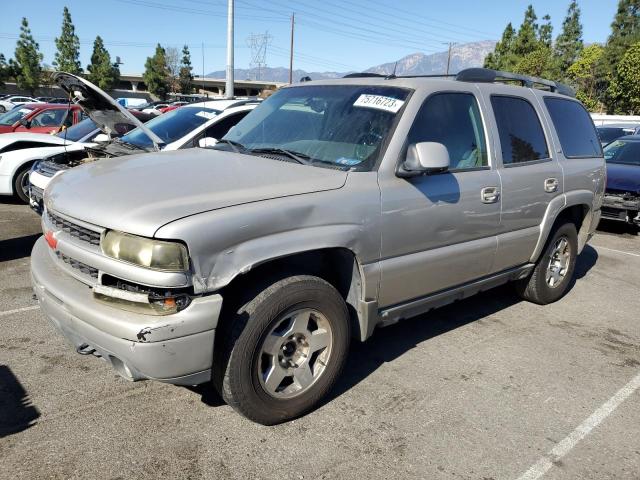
(49, 169)
(613, 213)
(82, 267)
(36, 193)
(74, 230)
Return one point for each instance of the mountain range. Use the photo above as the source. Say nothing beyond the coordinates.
(462, 56)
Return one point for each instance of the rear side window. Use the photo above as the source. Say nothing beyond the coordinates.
(575, 128)
(521, 135)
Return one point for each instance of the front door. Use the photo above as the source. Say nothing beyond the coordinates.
(439, 231)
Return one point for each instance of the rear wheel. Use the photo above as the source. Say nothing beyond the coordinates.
(2, 109)
(553, 272)
(21, 184)
(283, 350)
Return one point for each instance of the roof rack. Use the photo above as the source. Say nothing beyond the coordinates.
(486, 75)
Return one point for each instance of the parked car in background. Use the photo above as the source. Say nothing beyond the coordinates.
(333, 208)
(40, 118)
(173, 106)
(20, 151)
(622, 197)
(190, 126)
(52, 99)
(130, 102)
(156, 108)
(608, 133)
(11, 101)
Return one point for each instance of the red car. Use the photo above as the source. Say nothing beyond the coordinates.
(40, 118)
(173, 106)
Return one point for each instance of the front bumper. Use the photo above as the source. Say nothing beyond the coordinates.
(175, 348)
(621, 208)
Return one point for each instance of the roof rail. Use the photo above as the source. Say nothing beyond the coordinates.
(364, 75)
(486, 75)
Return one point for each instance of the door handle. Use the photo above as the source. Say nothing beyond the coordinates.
(551, 185)
(489, 194)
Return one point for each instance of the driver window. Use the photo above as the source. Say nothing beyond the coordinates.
(454, 120)
(48, 118)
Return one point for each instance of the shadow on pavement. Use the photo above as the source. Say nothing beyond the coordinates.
(618, 228)
(16, 248)
(16, 411)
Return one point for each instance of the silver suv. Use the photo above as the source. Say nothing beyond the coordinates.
(333, 208)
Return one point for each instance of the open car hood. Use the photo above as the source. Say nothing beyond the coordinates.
(100, 107)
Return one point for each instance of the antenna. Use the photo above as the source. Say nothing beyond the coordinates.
(258, 44)
(393, 74)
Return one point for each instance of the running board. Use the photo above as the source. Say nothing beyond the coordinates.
(391, 315)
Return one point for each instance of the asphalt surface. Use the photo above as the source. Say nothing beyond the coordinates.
(488, 388)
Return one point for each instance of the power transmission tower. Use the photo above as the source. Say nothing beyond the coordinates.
(258, 44)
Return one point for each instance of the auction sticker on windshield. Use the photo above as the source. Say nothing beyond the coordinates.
(207, 115)
(379, 102)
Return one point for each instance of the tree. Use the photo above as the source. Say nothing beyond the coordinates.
(546, 32)
(67, 58)
(185, 76)
(625, 86)
(538, 63)
(526, 40)
(625, 31)
(172, 58)
(589, 78)
(102, 72)
(569, 43)
(503, 56)
(156, 73)
(27, 60)
(4, 70)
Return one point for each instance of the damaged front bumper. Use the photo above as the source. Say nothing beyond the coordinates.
(624, 207)
(175, 348)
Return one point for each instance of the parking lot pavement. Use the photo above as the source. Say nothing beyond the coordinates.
(488, 388)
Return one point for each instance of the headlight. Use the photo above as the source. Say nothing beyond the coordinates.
(154, 254)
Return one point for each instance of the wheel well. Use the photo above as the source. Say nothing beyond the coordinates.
(576, 214)
(337, 266)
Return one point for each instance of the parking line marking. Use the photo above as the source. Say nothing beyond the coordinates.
(18, 310)
(618, 251)
(566, 445)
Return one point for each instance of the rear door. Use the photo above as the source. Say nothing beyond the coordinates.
(530, 173)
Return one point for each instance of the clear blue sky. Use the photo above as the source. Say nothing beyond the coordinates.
(330, 34)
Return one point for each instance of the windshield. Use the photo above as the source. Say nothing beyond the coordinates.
(12, 116)
(609, 134)
(342, 125)
(622, 151)
(171, 126)
(79, 130)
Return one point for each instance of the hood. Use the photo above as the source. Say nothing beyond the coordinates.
(140, 193)
(99, 106)
(623, 177)
(9, 139)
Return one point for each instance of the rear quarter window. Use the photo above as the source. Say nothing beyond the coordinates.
(575, 129)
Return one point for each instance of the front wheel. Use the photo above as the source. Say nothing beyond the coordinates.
(21, 185)
(553, 272)
(283, 350)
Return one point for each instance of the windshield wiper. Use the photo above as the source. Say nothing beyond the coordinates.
(299, 157)
(235, 145)
(130, 146)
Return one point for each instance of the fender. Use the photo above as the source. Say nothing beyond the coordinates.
(555, 207)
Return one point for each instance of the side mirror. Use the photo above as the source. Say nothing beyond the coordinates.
(101, 138)
(207, 142)
(425, 158)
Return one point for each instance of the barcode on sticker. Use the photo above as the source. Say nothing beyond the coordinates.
(380, 102)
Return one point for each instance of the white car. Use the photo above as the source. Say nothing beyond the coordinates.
(193, 125)
(18, 151)
(12, 101)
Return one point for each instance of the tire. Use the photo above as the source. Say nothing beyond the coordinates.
(554, 270)
(2, 109)
(264, 339)
(19, 182)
